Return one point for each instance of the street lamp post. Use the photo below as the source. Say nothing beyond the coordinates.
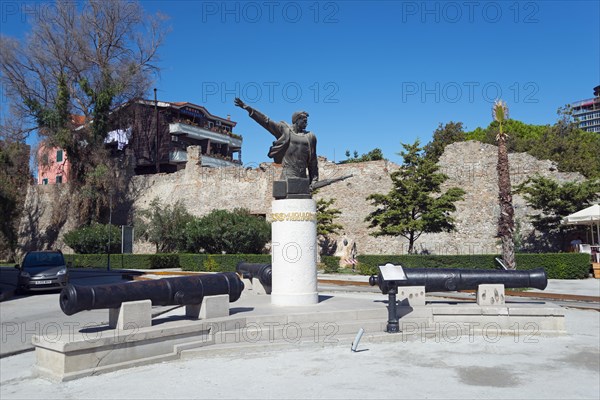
(109, 228)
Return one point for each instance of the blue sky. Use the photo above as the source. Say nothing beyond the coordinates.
(372, 74)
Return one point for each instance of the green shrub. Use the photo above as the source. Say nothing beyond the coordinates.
(122, 261)
(557, 265)
(191, 262)
(163, 261)
(93, 239)
(225, 262)
(231, 232)
(210, 265)
(367, 264)
(331, 263)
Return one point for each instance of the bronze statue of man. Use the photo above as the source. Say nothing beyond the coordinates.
(295, 148)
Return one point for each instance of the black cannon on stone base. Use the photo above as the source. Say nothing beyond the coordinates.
(184, 290)
(445, 280)
(262, 272)
(449, 280)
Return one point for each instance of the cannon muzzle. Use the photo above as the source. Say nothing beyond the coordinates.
(184, 290)
(262, 272)
(448, 280)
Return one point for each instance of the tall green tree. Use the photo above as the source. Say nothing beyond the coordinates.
(573, 149)
(326, 216)
(14, 179)
(506, 220)
(416, 204)
(373, 155)
(326, 226)
(444, 135)
(80, 59)
(163, 225)
(555, 201)
(523, 137)
(94, 239)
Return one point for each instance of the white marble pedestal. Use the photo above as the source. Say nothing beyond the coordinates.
(294, 252)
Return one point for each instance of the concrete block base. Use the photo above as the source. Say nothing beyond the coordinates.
(490, 295)
(256, 325)
(507, 319)
(411, 296)
(215, 306)
(90, 353)
(131, 315)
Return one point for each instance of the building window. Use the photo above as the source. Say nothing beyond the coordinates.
(45, 181)
(59, 156)
(59, 179)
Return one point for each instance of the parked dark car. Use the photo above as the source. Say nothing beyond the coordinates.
(43, 270)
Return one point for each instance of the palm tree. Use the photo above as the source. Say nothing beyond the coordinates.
(506, 223)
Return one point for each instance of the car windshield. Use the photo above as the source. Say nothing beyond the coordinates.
(43, 260)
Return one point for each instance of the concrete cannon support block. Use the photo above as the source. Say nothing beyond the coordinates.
(410, 296)
(490, 295)
(131, 315)
(215, 306)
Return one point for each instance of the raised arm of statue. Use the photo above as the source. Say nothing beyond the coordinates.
(273, 127)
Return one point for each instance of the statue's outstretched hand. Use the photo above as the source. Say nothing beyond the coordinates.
(238, 102)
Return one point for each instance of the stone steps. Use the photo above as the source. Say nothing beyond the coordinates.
(271, 333)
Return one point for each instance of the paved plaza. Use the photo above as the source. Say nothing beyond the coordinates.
(426, 365)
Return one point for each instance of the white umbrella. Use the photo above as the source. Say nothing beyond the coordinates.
(588, 216)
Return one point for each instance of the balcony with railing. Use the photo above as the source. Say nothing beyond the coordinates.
(593, 103)
(208, 160)
(214, 134)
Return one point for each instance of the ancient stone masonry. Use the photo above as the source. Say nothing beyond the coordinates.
(469, 165)
(472, 166)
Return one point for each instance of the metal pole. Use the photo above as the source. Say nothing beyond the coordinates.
(392, 326)
(109, 228)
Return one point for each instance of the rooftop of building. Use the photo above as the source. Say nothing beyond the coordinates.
(184, 104)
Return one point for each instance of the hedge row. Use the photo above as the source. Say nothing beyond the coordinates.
(331, 264)
(187, 262)
(124, 261)
(557, 265)
(219, 262)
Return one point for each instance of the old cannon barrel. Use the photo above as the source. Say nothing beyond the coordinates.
(447, 280)
(262, 272)
(184, 290)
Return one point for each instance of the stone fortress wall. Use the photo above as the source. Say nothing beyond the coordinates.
(469, 165)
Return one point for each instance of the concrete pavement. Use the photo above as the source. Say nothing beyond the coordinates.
(474, 365)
